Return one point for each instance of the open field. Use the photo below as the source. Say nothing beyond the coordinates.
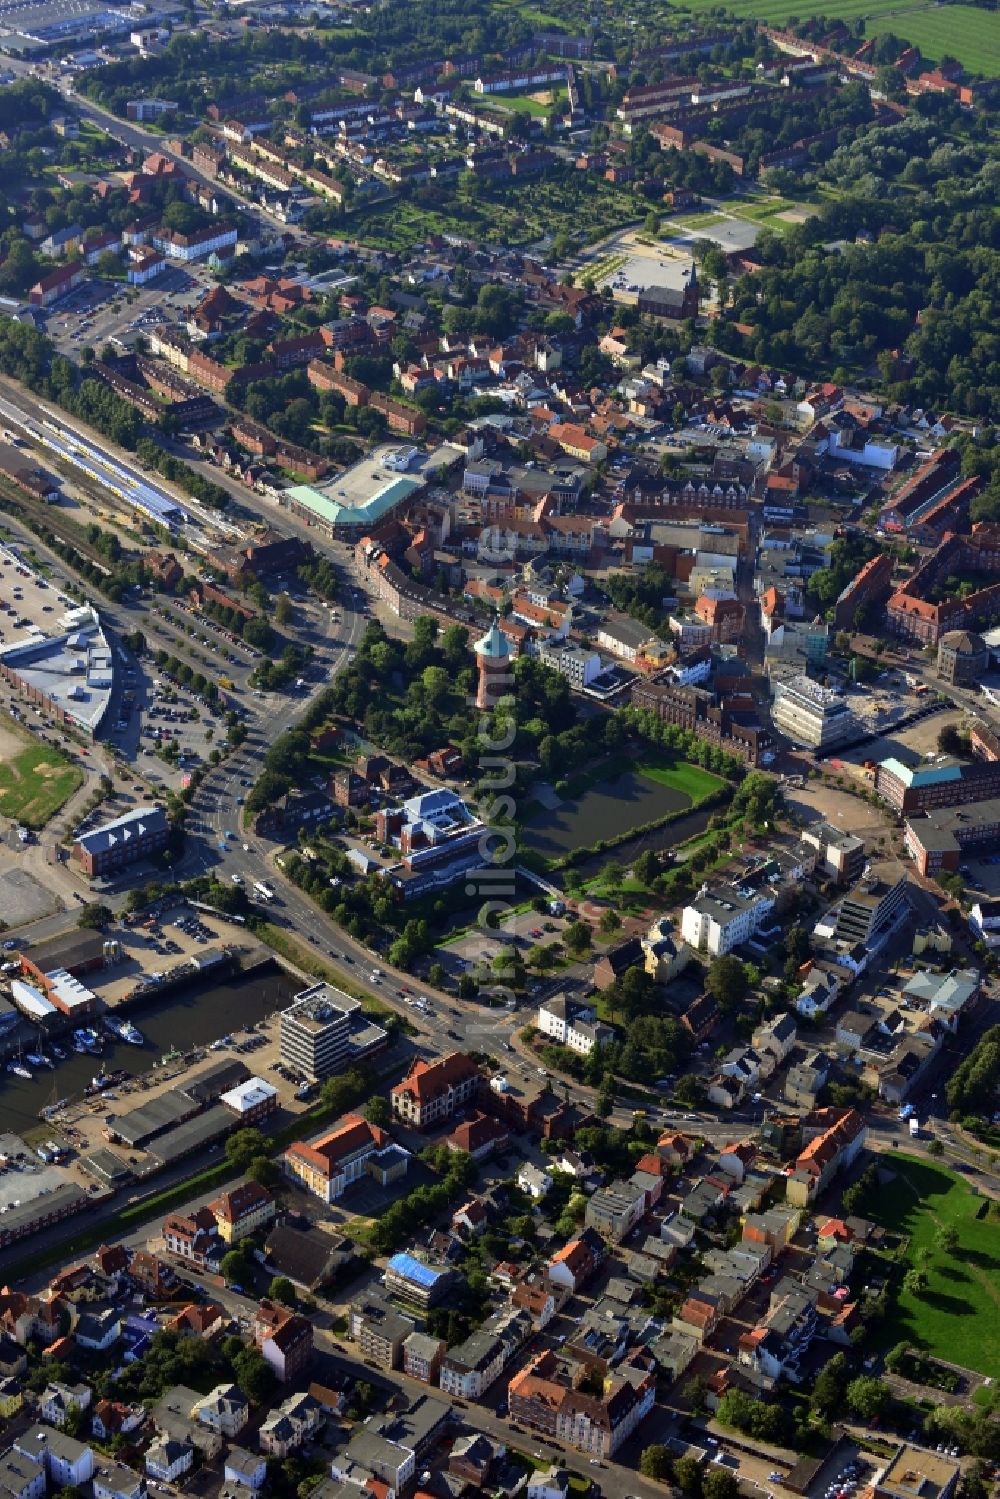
(539, 105)
(955, 1318)
(35, 781)
(963, 31)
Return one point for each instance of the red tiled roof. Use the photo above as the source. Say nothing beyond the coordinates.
(351, 1135)
(428, 1080)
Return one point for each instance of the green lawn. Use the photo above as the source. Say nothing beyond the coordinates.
(695, 220)
(530, 106)
(35, 783)
(681, 775)
(956, 1317)
(963, 31)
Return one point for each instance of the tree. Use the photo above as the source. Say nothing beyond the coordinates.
(577, 937)
(915, 1282)
(281, 1289)
(235, 1267)
(726, 981)
(719, 1483)
(263, 1171)
(378, 1112)
(950, 741)
(829, 1386)
(687, 1476)
(94, 913)
(243, 1146)
(946, 1239)
(868, 1397)
(254, 1375)
(655, 1462)
(283, 610)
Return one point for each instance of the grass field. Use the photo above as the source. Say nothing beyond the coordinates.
(695, 220)
(681, 775)
(956, 1317)
(963, 31)
(35, 782)
(530, 106)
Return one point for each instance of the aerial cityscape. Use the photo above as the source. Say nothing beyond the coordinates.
(499, 749)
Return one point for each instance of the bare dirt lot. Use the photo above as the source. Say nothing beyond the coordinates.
(816, 801)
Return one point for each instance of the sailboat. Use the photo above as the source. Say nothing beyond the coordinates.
(18, 1068)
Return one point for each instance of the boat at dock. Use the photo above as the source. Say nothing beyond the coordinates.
(124, 1030)
(19, 1069)
(89, 1040)
(58, 1052)
(103, 1080)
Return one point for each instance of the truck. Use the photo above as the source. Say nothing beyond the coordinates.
(914, 1127)
(263, 891)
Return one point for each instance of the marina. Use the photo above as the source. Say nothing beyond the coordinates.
(170, 1024)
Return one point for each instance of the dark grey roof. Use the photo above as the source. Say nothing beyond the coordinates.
(124, 830)
(203, 1129)
(211, 1082)
(68, 950)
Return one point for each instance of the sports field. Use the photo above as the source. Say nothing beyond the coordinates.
(963, 31)
(34, 782)
(955, 1318)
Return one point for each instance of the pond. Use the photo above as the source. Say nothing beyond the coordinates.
(604, 811)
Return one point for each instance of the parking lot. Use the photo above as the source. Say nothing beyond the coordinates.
(157, 715)
(101, 312)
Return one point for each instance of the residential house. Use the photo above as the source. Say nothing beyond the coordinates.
(112, 1419)
(535, 1182)
(242, 1211)
(289, 1425)
(11, 1397)
(573, 1266)
(58, 1401)
(67, 1462)
(248, 1469)
(470, 1367)
(422, 1355)
(572, 1023)
(774, 1039)
(805, 1081)
(837, 1138)
(664, 956)
(225, 1410)
(284, 1338)
(379, 1329)
(115, 1481)
(614, 1210)
(192, 1236)
(168, 1459)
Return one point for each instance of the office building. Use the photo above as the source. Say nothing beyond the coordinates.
(811, 715)
(315, 1031)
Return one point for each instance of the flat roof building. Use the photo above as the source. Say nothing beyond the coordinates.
(69, 674)
(811, 715)
(315, 1031)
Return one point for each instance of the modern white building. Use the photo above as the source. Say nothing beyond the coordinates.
(315, 1030)
(818, 717)
(719, 919)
